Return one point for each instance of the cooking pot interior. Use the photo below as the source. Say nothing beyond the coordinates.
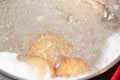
(94, 33)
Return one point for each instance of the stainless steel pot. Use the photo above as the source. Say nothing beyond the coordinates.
(21, 18)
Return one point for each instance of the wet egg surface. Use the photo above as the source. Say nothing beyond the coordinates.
(41, 67)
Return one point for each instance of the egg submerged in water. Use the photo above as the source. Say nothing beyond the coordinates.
(40, 66)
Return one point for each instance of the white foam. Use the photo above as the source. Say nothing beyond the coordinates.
(10, 64)
(111, 51)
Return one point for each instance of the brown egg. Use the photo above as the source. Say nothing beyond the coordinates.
(88, 7)
(50, 47)
(72, 67)
(40, 66)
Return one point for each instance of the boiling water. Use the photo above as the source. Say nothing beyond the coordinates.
(22, 20)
